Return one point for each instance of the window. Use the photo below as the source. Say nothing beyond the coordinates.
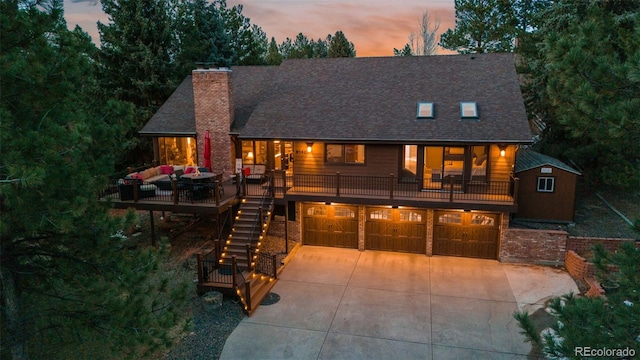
(408, 215)
(343, 212)
(383, 214)
(317, 211)
(410, 161)
(468, 110)
(344, 154)
(254, 152)
(425, 110)
(450, 218)
(177, 150)
(546, 184)
(479, 219)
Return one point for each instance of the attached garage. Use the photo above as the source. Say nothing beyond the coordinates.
(399, 230)
(468, 234)
(330, 225)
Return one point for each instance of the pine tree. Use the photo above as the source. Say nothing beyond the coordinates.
(273, 57)
(598, 323)
(582, 84)
(405, 51)
(482, 26)
(248, 42)
(339, 46)
(201, 36)
(69, 289)
(137, 46)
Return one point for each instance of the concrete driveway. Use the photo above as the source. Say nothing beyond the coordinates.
(346, 304)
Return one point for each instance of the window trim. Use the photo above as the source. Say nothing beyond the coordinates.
(343, 155)
(546, 180)
(464, 104)
(429, 106)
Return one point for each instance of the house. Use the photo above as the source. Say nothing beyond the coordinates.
(408, 154)
(547, 189)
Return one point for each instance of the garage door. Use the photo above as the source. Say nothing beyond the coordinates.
(330, 225)
(401, 230)
(466, 234)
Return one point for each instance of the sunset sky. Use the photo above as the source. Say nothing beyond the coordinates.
(374, 26)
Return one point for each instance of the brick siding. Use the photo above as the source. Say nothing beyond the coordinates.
(543, 247)
(212, 95)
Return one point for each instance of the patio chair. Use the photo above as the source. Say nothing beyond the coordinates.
(195, 191)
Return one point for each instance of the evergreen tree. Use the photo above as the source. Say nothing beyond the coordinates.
(201, 36)
(599, 323)
(482, 26)
(582, 85)
(248, 42)
(137, 46)
(273, 57)
(405, 51)
(69, 289)
(339, 46)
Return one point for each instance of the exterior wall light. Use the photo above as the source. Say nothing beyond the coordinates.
(309, 146)
(503, 150)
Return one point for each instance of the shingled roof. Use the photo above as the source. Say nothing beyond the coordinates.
(176, 117)
(527, 159)
(366, 100)
(375, 99)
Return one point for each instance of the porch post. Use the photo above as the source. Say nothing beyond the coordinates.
(391, 185)
(338, 184)
(153, 228)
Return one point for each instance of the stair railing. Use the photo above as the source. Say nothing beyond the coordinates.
(260, 222)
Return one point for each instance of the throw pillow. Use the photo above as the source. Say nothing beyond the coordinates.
(138, 176)
(190, 170)
(166, 169)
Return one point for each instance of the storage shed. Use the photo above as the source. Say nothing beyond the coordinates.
(547, 189)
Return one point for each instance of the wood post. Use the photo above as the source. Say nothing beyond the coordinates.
(174, 187)
(216, 192)
(392, 185)
(234, 272)
(338, 184)
(249, 268)
(275, 266)
(450, 188)
(199, 266)
(153, 228)
(136, 187)
(216, 246)
(284, 183)
(516, 184)
(247, 297)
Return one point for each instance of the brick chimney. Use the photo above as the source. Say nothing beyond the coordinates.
(213, 102)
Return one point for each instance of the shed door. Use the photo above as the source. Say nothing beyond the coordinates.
(466, 234)
(330, 225)
(400, 230)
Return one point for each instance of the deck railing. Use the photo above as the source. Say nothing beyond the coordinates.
(174, 191)
(450, 189)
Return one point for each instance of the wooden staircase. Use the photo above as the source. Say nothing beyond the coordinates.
(243, 246)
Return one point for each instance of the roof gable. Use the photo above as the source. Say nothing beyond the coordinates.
(527, 159)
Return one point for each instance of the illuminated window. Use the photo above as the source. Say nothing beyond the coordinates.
(451, 218)
(425, 110)
(317, 211)
(343, 212)
(408, 215)
(344, 154)
(382, 214)
(254, 152)
(177, 150)
(468, 110)
(480, 219)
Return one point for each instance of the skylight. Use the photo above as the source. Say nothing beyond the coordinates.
(425, 110)
(468, 110)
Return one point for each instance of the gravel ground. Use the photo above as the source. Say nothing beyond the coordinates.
(595, 219)
(212, 327)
